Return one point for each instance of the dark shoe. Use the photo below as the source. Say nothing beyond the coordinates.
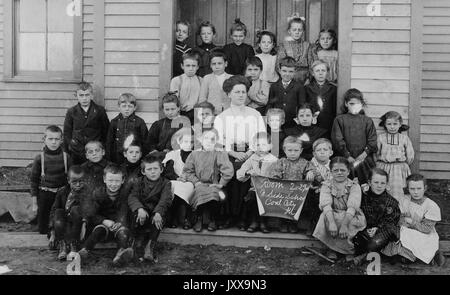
(123, 256)
(253, 227)
(439, 259)
(186, 225)
(263, 227)
(84, 254)
(212, 226)
(226, 224)
(62, 250)
(293, 229)
(241, 226)
(198, 225)
(331, 254)
(149, 252)
(283, 227)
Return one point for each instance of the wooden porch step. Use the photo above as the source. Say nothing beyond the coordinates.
(228, 237)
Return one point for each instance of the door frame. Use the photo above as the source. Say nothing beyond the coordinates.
(345, 14)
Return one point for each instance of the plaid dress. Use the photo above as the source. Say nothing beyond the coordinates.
(395, 154)
(382, 211)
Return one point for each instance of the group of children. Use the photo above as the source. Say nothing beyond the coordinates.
(103, 180)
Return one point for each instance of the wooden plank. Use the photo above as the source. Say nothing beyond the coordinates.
(434, 120)
(31, 120)
(435, 129)
(134, 9)
(99, 52)
(435, 30)
(434, 166)
(436, 174)
(415, 86)
(436, 21)
(345, 49)
(373, 60)
(436, 76)
(382, 23)
(383, 2)
(380, 85)
(436, 11)
(219, 9)
(138, 82)
(435, 85)
(147, 93)
(377, 98)
(435, 111)
(17, 145)
(131, 69)
(436, 48)
(133, 21)
(15, 163)
(44, 112)
(381, 35)
(246, 12)
(391, 10)
(437, 39)
(17, 154)
(380, 73)
(314, 19)
(380, 48)
(434, 138)
(434, 147)
(131, 57)
(433, 93)
(12, 128)
(377, 110)
(132, 45)
(436, 4)
(272, 19)
(131, 33)
(435, 102)
(167, 8)
(329, 14)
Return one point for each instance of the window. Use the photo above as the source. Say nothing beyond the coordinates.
(42, 41)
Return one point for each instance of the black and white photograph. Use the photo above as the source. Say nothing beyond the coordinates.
(209, 139)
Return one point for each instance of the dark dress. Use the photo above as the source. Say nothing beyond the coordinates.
(328, 93)
(307, 132)
(351, 135)
(180, 49)
(287, 99)
(236, 57)
(160, 135)
(277, 149)
(381, 211)
(204, 64)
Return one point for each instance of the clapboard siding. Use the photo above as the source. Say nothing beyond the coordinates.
(88, 40)
(435, 107)
(132, 55)
(27, 108)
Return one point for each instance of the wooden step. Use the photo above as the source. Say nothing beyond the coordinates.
(228, 237)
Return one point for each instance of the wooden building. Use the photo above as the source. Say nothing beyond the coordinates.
(396, 51)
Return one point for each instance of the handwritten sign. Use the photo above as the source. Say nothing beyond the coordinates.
(280, 198)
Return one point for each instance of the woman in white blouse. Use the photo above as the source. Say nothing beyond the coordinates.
(236, 126)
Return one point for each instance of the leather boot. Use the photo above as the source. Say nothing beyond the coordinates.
(149, 252)
(62, 250)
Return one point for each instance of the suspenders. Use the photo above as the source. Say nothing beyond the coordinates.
(43, 163)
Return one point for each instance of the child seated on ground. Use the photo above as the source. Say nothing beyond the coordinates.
(48, 174)
(292, 167)
(382, 214)
(209, 171)
(257, 165)
(306, 129)
(95, 163)
(418, 236)
(106, 211)
(258, 94)
(65, 217)
(187, 85)
(161, 131)
(179, 213)
(341, 218)
(275, 119)
(84, 122)
(122, 126)
(319, 171)
(149, 203)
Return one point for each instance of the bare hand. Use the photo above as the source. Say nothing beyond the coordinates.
(310, 176)
(116, 226)
(219, 186)
(108, 223)
(142, 216)
(52, 240)
(343, 232)
(83, 231)
(240, 156)
(332, 228)
(362, 157)
(197, 184)
(157, 221)
(181, 178)
(351, 160)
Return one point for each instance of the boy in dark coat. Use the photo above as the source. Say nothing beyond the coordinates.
(48, 174)
(84, 122)
(149, 202)
(126, 123)
(286, 93)
(95, 163)
(107, 213)
(65, 216)
(306, 130)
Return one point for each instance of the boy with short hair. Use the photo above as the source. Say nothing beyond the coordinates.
(126, 123)
(107, 214)
(211, 89)
(84, 122)
(149, 203)
(306, 129)
(187, 85)
(161, 132)
(287, 94)
(258, 94)
(65, 216)
(182, 32)
(95, 163)
(257, 165)
(204, 112)
(48, 174)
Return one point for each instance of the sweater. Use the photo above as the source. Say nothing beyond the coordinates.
(94, 172)
(212, 92)
(54, 171)
(236, 57)
(323, 99)
(187, 89)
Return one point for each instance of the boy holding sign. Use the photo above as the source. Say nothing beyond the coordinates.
(293, 167)
(257, 165)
